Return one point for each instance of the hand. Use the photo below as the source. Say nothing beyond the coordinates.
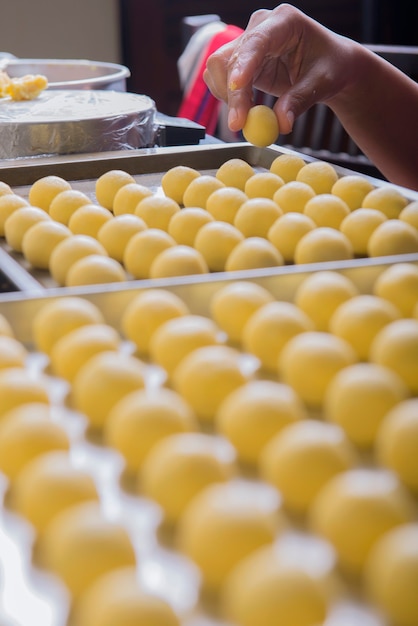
(284, 53)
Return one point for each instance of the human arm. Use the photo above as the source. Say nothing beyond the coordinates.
(285, 53)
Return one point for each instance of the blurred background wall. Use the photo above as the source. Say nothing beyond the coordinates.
(80, 29)
(152, 41)
(146, 35)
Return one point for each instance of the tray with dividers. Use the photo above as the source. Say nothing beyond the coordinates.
(147, 166)
(162, 568)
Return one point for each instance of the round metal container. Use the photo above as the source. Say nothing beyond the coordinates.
(76, 121)
(71, 73)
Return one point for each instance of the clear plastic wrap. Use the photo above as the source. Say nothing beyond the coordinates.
(72, 121)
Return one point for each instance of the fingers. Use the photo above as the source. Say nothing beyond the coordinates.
(215, 74)
(227, 60)
(283, 53)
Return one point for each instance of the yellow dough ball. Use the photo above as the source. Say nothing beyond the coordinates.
(65, 203)
(287, 166)
(199, 189)
(352, 188)
(207, 375)
(119, 597)
(9, 204)
(19, 223)
(256, 215)
(12, 352)
(286, 232)
(5, 189)
(321, 293)
(263, 185)
(26, 432)
(108, 184)
(359, 226)
(253, 414)
(215, 241)
(234, 303)
(320, 175)
(5, 328)
(261, 127)
(59, 316)
(393, 237)
(224, 203)
(44, 190)
(253, 253)
(178, 260)
(398, 283)
(323, 244)
(397, 442)
(386, 199)
(143, 248)
(391, 576)
(225, 523)
(115, 234)
(104, 380)
(19, 386)
(175, 181)
(327, 209)
(95, 269)
(319, 353)
(358, 398)
(49, 484)
(144, 417)
(302, 458)
(82, 545)
(410, 214)
(68, 251)
(176, 338)
(355, 509)
(40, 240)
(293, 196)
(267, 588)
(156, 211)
(185, 224)
(396, 347)
(88, 219)
(359, 319)
(70, 352)
(128, 196)
(270, 328)
(180, 466)
(146, 312)
(235, 172)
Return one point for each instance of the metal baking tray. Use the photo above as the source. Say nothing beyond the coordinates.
(21, 306)
(147, 166)
(20, 309)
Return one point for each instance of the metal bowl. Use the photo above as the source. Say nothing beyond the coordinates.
(72, 73)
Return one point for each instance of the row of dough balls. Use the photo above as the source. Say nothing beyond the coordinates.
(237, 219)
(93, 555)
(261, 518)
(212, 571)
(329, 326)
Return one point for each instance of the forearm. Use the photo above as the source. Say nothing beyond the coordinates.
(300, 62)
(379, 109)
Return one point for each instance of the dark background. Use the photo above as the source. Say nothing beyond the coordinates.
(152, 33)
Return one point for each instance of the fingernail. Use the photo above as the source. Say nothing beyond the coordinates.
(291, 118)
(233, 80)
(232, 117)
